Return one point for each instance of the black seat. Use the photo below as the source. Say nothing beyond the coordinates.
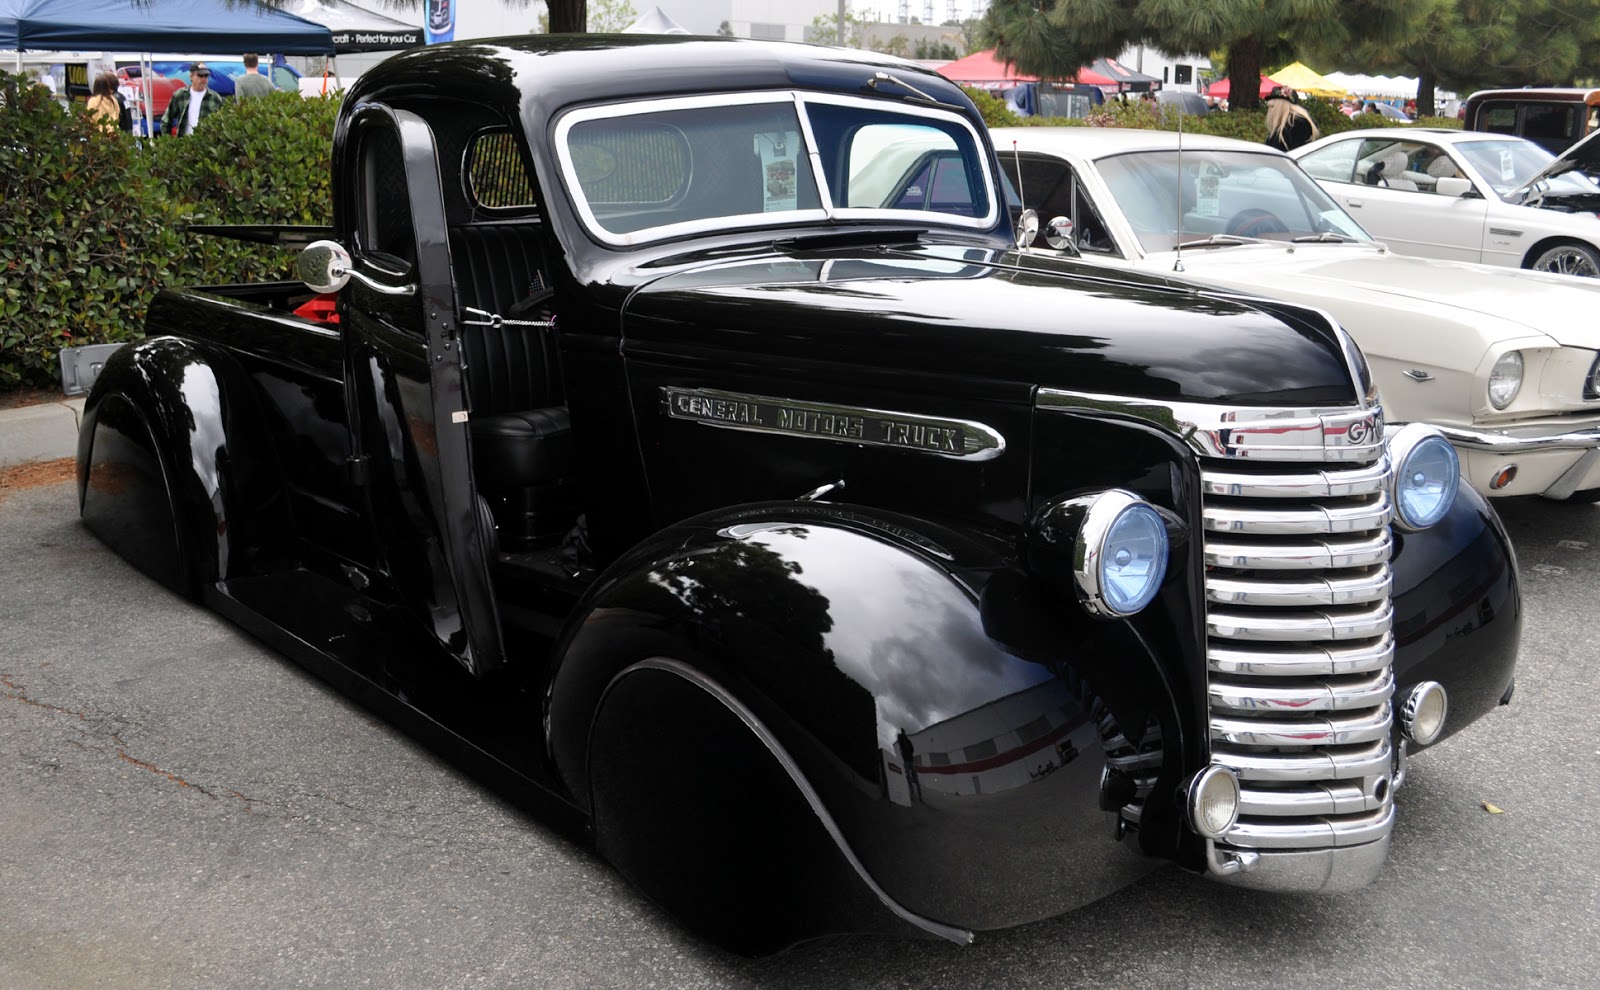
(522, 452)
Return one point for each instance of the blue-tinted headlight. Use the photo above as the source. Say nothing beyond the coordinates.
(1426, 473)
(1121, 555)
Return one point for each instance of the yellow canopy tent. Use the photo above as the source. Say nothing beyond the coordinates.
(1303, 80)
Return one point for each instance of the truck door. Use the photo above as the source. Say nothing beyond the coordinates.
(408, 408)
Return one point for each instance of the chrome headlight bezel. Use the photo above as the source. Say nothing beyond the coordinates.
(1405, 446)
(1509, 367)
(1105, 517)
(1591, 384)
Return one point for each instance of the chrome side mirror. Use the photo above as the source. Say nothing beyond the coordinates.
(1027, 228)
(324, 266)
(1059, 235)
(1453, 186)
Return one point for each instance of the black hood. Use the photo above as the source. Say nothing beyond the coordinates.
(999, 316)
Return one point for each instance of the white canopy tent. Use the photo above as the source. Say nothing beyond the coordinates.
(655, 21)
(1381, 87)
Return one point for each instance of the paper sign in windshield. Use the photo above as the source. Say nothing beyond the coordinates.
(778, 171)
(1508, 168)
(1208, 193)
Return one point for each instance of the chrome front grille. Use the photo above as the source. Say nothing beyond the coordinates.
(1300, 646)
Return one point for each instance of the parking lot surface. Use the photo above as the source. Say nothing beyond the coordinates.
(181, 807)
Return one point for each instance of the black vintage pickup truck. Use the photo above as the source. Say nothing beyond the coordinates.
(669, 431)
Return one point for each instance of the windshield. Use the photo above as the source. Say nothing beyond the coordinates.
(646, 171)
(1225, 194)
(1509, 165)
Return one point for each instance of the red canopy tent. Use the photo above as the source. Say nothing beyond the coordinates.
(1221, 88)
(983, 69)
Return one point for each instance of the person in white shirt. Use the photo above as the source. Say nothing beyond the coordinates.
(190, 106)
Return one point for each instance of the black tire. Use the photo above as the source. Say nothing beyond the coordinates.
(1565, 258)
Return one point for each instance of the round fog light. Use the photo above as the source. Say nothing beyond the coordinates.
(1422, 716)
(1214, 801)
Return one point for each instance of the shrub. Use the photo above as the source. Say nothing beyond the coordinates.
(258, 161)
(1449, 123)
(86, 234)
(994, 110)
(91, 223)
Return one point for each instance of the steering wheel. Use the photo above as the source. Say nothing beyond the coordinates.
(1254, 223)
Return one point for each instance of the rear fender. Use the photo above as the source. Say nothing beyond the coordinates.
(963, 778)
(176, 471)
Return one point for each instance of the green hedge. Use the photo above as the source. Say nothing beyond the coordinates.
(91, 223)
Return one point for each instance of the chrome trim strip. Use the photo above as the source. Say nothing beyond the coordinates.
(1275, 696)
(960, 439)
(1329, 798)
(1308, 591)
(1506, 443)
(1298, 521)
(1323, 730)
(1311, 765)
(1322, 554)
(1301, 627)
(1243, 432)
(1367, 480)
(1356, 830)
(960, 936)
(1255, 661)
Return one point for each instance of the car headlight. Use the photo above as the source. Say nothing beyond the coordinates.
(1505, 379)
(1426, 473)
(1121, 554)
(1591, 386)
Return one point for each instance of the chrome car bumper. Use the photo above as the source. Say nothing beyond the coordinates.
(1528, 441)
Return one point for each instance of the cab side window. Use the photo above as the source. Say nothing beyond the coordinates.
(1052, 188)
(387, 236)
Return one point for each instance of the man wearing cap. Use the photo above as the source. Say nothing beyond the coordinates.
(189, 105)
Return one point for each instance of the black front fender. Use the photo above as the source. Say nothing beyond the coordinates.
(1458, 609)
(965, 778)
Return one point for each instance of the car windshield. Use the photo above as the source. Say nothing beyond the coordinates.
(1509, 165)
(647, 171)
(1228, 197)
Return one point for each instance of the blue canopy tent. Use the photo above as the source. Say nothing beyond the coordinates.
(156, 25)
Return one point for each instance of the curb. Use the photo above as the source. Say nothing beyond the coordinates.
(40, 433)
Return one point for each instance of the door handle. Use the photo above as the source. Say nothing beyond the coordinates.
(1354, 204)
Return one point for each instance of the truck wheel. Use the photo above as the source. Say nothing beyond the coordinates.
(1566, 258)
(697, 812)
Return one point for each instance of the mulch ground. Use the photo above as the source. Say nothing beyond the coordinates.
(34, 474)
(13, 398)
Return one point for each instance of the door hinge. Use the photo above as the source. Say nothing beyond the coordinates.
(357, 469)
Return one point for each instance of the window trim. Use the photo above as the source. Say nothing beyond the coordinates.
(798, 99)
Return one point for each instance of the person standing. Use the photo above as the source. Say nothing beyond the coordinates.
(189, 106)
(104, 106)
(1288, 124)
(252, 82)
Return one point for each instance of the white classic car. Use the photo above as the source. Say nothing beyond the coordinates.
(1506, 364)
(1466, 195)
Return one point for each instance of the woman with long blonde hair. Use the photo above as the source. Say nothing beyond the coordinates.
(1288, 124)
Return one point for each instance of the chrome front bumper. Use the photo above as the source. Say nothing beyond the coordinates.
(1535, 441)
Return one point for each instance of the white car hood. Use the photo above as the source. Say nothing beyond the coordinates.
(1561, 308)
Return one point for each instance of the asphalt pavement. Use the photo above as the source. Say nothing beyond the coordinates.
(182, 807)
